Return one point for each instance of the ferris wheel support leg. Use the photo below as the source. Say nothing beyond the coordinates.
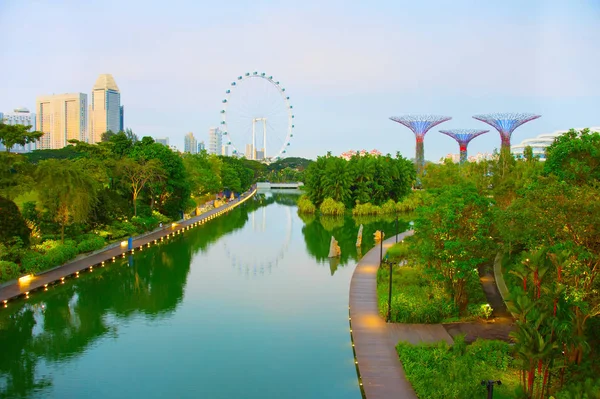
(264, 138)
(253, 139)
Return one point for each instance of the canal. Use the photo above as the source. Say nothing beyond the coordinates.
(245, 306)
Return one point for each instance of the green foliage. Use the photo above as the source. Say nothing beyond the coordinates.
(8, 270)
(362, 179)
(366, 210)
(588, 389)
(443, 371)
(389, 207)
(12, 223)
(575, 157)
(305, 206)
(412, 201)
(91, 244)
(330, 207)
(11, 135)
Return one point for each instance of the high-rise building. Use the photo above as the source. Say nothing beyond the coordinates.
(215, 139)
(190, 144)
(201, 147)
(105, 108)
(225, 150)
(121, 119)
(249, 153)
(61, 118)
(162, 140)
(20, 116)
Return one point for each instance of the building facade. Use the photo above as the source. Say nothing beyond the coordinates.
(162, 140)
(61, 118)
(105, 108)
(190, 144)
(20, 116)
(201, 147)
(215, 141)
(121, 119)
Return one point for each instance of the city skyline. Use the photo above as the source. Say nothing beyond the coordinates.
(342, 74)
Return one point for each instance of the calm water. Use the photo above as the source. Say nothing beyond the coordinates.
(246, 306)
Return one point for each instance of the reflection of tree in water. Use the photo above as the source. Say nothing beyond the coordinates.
(317, 233)
(60, 324)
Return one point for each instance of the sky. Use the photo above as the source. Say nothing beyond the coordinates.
(346, 65)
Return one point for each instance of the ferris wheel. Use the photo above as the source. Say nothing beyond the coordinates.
(257, 118)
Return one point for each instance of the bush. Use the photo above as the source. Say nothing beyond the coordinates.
(305, 205)
(33, 262)
(12, 223)
(61, 254)
(8, 270)
(415, 299)
(388, 208)
(439, 371)
(367, 209)
(145, 224)
(160, 217)
(91, 244)
(332, 208)
(411, 202)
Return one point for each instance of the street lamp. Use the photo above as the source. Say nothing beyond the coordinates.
(490, 387)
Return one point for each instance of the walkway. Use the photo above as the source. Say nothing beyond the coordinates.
(374, 340)
(58, 274)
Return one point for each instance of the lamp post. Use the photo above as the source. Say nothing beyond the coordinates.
(490, 387)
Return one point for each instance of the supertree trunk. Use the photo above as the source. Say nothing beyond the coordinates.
(420, 156)
(463, 154)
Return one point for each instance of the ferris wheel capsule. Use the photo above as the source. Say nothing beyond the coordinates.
(262, 74)
(224, 101)
(240, 77)
(255, 73)
(222, 111)
(228, 91)
(233, 83)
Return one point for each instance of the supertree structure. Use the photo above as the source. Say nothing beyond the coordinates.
(463, 137)
(420, 125)
(506, 123)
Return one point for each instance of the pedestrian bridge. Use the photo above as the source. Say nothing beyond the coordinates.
(269, 185)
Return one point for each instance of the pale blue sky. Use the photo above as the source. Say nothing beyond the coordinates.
(347, 66)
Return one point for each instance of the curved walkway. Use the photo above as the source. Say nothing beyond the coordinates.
(380, 370)
(58, 274)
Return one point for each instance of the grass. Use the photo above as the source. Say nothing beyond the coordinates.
(416, 298)
(439, 370)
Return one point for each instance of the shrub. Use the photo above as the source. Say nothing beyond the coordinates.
(91, 244)
(160, 217)
(33, 262)
(305, 205)
(439, 371)
(61, 254)
(389, 207)
(366, 210)
(12, 223)
(331, 207)
(411, 202)
(8, 270)
(144, 224)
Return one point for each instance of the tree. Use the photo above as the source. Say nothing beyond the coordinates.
(139, 173)
(67, 191)
(11, 135)
(131, 135)
(453, 236)
(12, 223)
(106, 136)
(575, 157)
(15, 175)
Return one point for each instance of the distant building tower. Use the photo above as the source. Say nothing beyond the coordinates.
(162, 140)
(105, 108)
(190, 144)
(201, 147)
(225, 150)
(20, 116)
(249, 153)
(215, 141)
(121, 119)
(541, 142)
(61, 118)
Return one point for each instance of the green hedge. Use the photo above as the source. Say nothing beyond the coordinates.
(440, 371)
(8, 270)
(91, 244)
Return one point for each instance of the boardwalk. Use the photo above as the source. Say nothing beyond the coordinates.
(58, 274)
(374, 340)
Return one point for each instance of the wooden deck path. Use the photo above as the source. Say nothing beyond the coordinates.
(56, 275)
(381, 373)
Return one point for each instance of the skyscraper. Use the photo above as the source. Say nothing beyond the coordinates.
(121, 119)
(190, 144)
(214, 141)
(162, 140)
(20, 116)
(201, 147)
(62, 118)
(105, 108)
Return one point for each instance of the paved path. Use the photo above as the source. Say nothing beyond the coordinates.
(380, 370)
(56, 275)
